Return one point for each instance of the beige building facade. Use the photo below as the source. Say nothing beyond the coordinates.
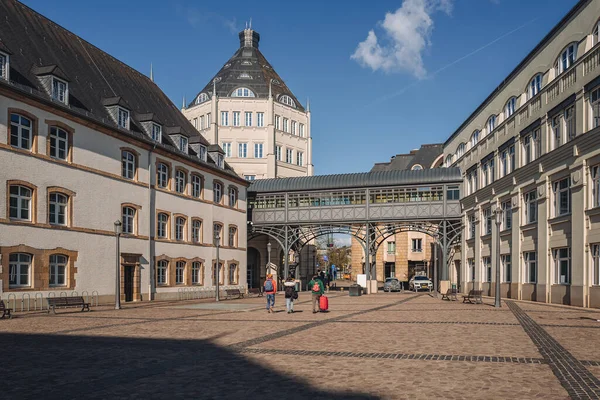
(85, 142)
(530, 154)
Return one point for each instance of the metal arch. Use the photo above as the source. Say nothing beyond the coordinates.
(270, 231)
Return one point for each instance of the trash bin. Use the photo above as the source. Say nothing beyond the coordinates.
(355, 290)
(297, 286)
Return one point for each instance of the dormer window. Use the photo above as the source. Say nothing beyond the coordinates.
(220, 161)
(156, 132)
(3, 66)
(183, 144)
(244, 75)
(202, 97)
(59, 90)
(202, 153)
(123, 118)
(242, 92)
(246, 62)
(287, 100)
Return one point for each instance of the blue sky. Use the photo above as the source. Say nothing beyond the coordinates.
(401, 89)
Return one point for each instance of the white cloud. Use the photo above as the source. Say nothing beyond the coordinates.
(197, 18)
(406, 34)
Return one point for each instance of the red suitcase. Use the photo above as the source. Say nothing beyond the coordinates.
(323, 303)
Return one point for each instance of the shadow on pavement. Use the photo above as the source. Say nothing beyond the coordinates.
(91, 367)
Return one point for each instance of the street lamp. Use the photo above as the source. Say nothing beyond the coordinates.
(268, 254)
(217, 266)
(118, 266)
(498, 213)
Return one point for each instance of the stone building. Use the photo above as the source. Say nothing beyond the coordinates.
(530, 154)
(86, 141)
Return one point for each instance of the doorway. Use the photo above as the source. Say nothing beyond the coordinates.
(253, 274)
(128, 282)
(390, 270)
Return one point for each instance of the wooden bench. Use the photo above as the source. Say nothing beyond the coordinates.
(234, 292)
(474, 295)
(54, 302)
(255, 291)
(5, 310)
(450, 295)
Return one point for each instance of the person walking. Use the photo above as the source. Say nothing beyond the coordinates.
(270, 288)
(290, 294)
(317, 290)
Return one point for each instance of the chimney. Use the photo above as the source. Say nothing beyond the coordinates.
(249, 38)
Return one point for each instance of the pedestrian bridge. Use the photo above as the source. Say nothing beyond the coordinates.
(370, 206)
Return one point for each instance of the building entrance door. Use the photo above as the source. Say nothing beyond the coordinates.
(390, 270)
(128, 282)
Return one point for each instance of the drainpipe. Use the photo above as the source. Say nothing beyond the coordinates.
(151, 217)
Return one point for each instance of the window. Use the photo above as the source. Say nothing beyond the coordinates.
(472, 222)
(487, 171)
(472, 181)
(58, 268)
(242, 92)
(232, 236)
(57, 213)
(220, 160)
(535, 86)
(242, 150)
(487, 218)
(208, 120)
(452, 193)
(448, 161)
(59, 143)
(569, 117)
(474, 139)
(233, 274)
(416, 167)
(21, 132)
(217, 228)
(285, 125)
(248, 118)
(224, 118)
(195, 122)
(278, 122)
(128, 220)
(202, 154)
(506, 268)
(20, 203)
(260, 119)
(596, 34)
(556, 126)
(287, 100)
(123, 118)
(301, 130)
(244, 75)
(507, 160)
(530, 267)
(289, 156)
(562, 197)
(59, 90)
(162, 226)
(300, 158)
(19, 269)
(233, 196)
(202, 97)
(562, 266)
(196, 271)
(250, 177)
(510, 107)
(162, 175)
(196, 186)
(294, 125)
(161, 272)
(258, 150)
(532, 148)
(595, 104)
(180, 228)
(595, 264)
(506, 216)
(491, 124)
(179, 272)
(566, 59)
(236, 118)
(278, 153)
(460, 151)
(127, 164)
(180, 181)
(3, 66)
(156, 132)
(417, 245)
(471, 265)
(217, 192)
(391, 247)
(202, 125)
(183, 144)
(531, 207)
(487, 269)
(196, 231)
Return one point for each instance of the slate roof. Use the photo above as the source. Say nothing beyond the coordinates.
(96, 79)
(425, 156)
(357, 181)
(248, 59)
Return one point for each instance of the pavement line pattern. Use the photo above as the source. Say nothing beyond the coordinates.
(399, 356)
(570, 372)
(291, 331)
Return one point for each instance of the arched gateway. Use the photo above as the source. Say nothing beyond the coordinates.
(369, 206)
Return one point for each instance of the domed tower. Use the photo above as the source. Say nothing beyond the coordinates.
(249, 111)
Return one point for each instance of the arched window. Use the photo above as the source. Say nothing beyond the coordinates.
(196, 273)
(217, 192)
(180, 272)
(416, 167)
(233, 195)
(202, 97)
(162, 175)
(20, 132)
(128, 162)
(510, 107)
(57, 213)
(232, 236)
(460, 151)
(474, 139)
(233, 274)
(596, 34)
(59, 143)
(161, 272)
(196, 185)
(287, 100)
(534, 86)
(180, 228)
(448, 161)
(566, 58)
(196, 231)
(491, 124)
(129, 220)
(180, 181)
(19, 270)
(242, 92)
(162, 226)
(20, 200)
(244, 75)
(58, 269)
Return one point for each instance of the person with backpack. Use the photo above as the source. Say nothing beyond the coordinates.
(290, 294)
(317, 291)
(270, 288)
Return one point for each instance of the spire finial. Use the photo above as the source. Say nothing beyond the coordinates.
(214, 87)
(250, 22)
(183, 105)
(308, 104)
(151, 73)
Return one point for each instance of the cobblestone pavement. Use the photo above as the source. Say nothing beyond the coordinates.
(380, 346)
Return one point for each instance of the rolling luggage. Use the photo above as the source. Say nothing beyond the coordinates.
(323, 303)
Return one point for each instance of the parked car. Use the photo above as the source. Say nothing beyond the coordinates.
(420, 282)
(392, 285)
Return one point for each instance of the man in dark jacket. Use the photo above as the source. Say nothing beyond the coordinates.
(317, 289)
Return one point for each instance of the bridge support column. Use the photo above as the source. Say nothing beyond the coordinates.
(286, 255)
(444, 280)
(368, 256)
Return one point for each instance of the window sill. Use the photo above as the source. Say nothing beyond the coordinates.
(561, 284)
(486, 236)
(560, 219)
(593, 211)
(530, 226)
(506, 232)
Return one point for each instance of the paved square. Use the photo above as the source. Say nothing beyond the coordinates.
(380, 346)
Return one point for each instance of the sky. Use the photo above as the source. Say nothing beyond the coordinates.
(383, 77)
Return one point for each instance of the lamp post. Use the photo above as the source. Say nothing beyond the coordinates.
(268, 255)
(217, 266)
(435, 266)
(118, 267)
(498, 213)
